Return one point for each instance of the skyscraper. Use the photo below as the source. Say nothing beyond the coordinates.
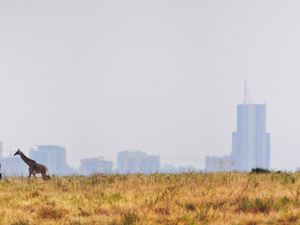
(251, 143)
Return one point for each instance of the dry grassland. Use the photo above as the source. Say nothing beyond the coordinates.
(192, 198)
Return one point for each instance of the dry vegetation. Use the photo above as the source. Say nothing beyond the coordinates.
(234, 198)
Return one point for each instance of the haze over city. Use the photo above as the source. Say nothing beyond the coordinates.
(162, 77)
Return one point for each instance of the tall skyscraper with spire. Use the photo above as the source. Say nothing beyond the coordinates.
(251, 142)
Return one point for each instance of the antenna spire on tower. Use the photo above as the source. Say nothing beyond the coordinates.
(245, 92)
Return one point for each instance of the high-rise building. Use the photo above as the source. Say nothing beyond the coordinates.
(251, 142)
(137, 162)
(1, 150)
(95, 165)
(150, 164)
(219, 164)
(14, 166)
(129, 162)
(52, 156)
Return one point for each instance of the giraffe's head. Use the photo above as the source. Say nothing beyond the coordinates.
(17, 152)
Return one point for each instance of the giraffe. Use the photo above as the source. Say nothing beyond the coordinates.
(34, 167)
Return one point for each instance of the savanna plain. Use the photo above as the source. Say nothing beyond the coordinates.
(169, 199)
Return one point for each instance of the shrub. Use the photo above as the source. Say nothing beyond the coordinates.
(255, 206)
(129, 218)
(282, 203)
(260, 170)
(190, 206)
(262, 206)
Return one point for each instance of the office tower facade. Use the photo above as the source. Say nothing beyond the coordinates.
(95, 165)
(1, 150)
(219, 164)
(52, 156)
(251, 142)
(14, 166)
(129, 162)
(150, 164)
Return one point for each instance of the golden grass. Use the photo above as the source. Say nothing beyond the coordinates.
(191, 199)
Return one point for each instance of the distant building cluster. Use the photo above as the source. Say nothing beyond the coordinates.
(95, 165)
(216, 164)
(137, 162)
(54, 158)
(168, 168)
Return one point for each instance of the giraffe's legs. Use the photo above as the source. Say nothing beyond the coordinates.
(30, 172)
(44, 176)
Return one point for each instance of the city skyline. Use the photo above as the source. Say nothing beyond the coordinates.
(53, 157)
(250, 147)
(163, 77)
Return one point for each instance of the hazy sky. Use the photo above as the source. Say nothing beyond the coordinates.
(161, 76)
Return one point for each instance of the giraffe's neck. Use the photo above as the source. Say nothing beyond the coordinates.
(26, 159)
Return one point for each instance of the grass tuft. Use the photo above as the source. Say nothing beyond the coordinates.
(190, 206)
(47, 212)
(129, 218)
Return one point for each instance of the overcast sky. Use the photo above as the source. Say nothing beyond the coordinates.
(160, 76)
